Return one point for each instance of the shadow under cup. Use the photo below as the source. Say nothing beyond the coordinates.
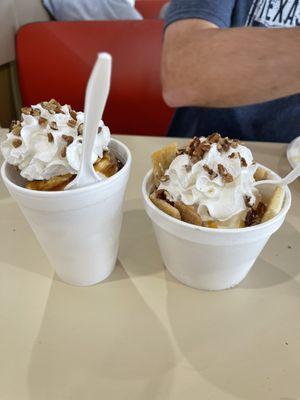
(78, 229)
(207, 258)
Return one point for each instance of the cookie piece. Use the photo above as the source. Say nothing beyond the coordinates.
(164, 206)
(188, 213)
(55, 183)
(161, 160)
(107, 165)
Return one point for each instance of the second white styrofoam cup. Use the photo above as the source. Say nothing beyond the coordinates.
(207, 258)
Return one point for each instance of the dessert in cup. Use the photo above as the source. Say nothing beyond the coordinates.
(210, 219)
(79, 228)
(46, 146)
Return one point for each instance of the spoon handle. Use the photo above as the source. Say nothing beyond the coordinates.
(294, 174)
(291, 176)
(95, 99)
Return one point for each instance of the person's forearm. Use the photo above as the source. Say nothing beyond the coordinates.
(228, 67)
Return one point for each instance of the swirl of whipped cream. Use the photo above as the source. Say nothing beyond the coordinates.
(203, 185)
(48, 143)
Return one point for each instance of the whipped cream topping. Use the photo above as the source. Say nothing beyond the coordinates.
(219, 184)
(48, 141)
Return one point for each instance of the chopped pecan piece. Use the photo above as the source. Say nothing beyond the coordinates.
(243, 161)
(17, 130)
(80, 129)
(222, 170)
(16, 143)
(72, 123)
(225, 143)
(233, 155)
(226, 176)
(192, 145)
(219, 147)
(200, 150)
(247, 200)
(214, 138)
(255, 215)
(36, 112)
(53, 125)
(50, 137)
(197, 148)
(13, 125)
(212, 174)
(195, 159)
(198, 153)
(68, 139)
(44, 104)
(73, 114)
(43, 122)
(235, 143)
(205, 146)
(63, 152)
(54, 107)
(26, 110)
(188, 168)
(54, 102)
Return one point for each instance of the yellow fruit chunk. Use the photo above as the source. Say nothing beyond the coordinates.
(275, 204)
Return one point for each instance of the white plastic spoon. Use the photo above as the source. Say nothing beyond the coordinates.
(294, 174)
(95, 100)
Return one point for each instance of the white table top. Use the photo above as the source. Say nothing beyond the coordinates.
(141, 335)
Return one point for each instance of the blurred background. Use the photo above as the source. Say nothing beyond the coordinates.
(47, 50)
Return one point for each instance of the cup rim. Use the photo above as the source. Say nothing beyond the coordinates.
(226, 231)
(67, 193)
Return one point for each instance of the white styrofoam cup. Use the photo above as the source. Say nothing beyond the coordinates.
(78, 229)
(207, 258)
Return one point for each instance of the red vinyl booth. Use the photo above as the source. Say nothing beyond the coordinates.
(55, 59)
(150, 8)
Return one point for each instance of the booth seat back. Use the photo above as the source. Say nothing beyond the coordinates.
(55, 59)
(150, 8)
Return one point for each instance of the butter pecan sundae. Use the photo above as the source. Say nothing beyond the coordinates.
(46, 146)
(210, 183)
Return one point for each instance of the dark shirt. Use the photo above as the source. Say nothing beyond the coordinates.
(277, 120)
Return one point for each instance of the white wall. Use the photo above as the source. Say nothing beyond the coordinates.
(14, 14)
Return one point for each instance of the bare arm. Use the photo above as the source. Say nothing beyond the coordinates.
(210, 67)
